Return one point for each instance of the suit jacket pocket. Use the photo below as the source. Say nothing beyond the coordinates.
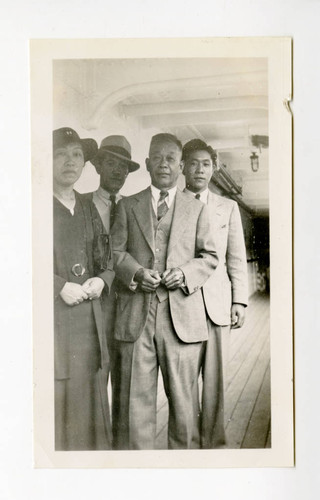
(124, 300)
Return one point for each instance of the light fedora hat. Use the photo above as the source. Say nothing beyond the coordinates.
(118, 146)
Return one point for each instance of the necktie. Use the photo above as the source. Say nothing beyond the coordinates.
(112, 209)
(197, 196)
(162, 207)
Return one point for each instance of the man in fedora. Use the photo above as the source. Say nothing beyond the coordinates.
(163, 253)
(225, 293)
(113, 164)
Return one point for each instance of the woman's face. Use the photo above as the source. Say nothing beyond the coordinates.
(68, 162)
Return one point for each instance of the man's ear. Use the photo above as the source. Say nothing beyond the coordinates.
(182, 167)
(98, 167)
(147, 164)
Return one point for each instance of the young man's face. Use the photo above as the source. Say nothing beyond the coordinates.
(113, 173)
(68, 162)
(164, 164)
(198, 169)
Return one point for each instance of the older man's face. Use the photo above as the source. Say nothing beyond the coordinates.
(113, 173)
(198, 169)
(164, 164)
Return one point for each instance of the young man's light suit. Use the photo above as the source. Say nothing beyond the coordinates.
(226, 286)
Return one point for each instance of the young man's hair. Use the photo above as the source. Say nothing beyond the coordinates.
(198, 145)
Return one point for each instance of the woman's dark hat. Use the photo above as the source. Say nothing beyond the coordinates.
(65, 135)
(118, 146)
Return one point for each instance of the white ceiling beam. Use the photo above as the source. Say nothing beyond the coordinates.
(197, 118)
(185, 106)
(143, 88)
(231, 143)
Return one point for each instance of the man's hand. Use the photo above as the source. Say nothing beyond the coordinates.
(237, 315)
(147, 279)
(73, 294)
(172, 278)
(93, 287)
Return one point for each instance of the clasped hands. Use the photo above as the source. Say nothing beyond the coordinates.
(148, 279)
(73, 293)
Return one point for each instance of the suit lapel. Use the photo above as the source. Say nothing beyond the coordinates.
(143, 214)
(179, 219)
(215, 204)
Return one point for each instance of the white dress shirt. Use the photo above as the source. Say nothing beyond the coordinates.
(203, 195)
(101, 199)
(155, 195)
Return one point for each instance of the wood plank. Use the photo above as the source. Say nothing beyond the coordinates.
(238, 421)
(162, 428)
(253, 336)
(248, 384)
(162, 439)
(161, 395)
(239, 339)
(258, 429)
(268, 440)
(243, 373)
(257, 306)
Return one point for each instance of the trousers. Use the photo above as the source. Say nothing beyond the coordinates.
(136, 367)
(209, 420)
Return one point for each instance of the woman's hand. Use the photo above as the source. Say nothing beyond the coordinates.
(73, 294)
(93, 287)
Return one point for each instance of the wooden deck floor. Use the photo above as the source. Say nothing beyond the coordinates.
(247, 397)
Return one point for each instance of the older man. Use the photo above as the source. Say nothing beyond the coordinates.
(163, 253)
(225, 293)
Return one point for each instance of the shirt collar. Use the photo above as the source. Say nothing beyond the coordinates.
(155, 192)
(203, 195)
(105, 195)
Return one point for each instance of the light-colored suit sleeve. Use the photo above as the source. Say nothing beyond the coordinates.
(125, 265)
(200, 268)
(236, 258)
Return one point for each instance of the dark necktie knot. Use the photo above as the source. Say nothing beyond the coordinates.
(112, 198)
(197, 196)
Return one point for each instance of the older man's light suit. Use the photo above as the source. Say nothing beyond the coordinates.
(163, 328)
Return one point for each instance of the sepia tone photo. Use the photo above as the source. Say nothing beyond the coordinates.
(170, 171)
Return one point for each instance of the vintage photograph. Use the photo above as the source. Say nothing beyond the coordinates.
(167, 174)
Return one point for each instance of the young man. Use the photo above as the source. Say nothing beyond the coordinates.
(225, 292)
(163, 253)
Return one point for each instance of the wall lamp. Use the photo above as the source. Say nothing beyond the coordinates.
(254, 158)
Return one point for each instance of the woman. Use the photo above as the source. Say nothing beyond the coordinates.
(82, 271)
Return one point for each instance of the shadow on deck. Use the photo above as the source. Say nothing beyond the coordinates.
(247, 396)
